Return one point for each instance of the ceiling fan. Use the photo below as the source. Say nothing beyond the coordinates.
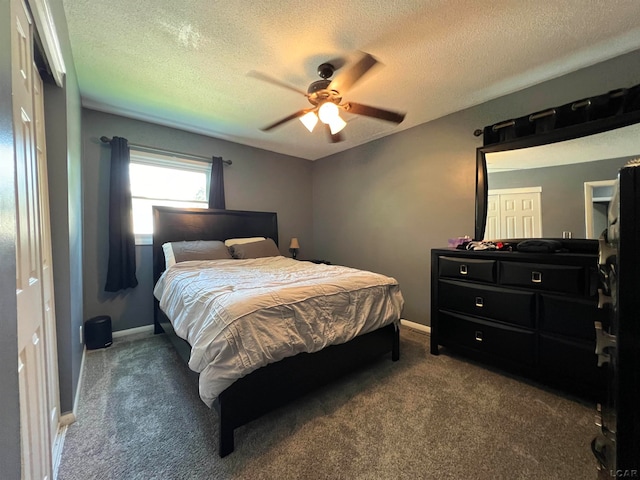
(325, 97)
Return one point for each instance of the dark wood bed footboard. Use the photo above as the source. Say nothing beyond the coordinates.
(279, 383)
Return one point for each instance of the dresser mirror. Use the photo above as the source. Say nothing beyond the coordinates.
(563, 178)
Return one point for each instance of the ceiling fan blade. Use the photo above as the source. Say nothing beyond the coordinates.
(273, 81)
(333, 138)
(286, 119)
(374, 112)
(345, 80)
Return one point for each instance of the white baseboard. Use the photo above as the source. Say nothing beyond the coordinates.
(58, 445)
(68, 418)
(65, 420)
(133, 331)
(416, 326)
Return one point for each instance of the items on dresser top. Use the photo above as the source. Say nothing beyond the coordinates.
(531, 313)
(539, 245)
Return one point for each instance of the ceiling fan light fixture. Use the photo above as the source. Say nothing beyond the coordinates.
(327, 112)
(337, 124)
(309, 120)
(326, 97)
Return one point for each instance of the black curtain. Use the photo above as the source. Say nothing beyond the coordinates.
(216, 187)
(606, 106)
(122, 255)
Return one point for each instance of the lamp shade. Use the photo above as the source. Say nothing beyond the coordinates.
(327, 112)
(309, 120)
(337, 124)
(294, 243)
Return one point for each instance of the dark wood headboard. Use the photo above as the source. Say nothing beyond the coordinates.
(178, 224)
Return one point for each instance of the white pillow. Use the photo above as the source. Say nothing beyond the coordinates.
(240, 241)
(169, 257)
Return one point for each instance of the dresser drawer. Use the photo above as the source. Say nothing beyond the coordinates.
(570, 317)
(509, 343)
(510, 306)
(575, 362)
(556, 278)
(468, 269)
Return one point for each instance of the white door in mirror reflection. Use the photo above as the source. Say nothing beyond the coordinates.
(514, 213)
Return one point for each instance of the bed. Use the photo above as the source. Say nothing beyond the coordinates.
(279, 381)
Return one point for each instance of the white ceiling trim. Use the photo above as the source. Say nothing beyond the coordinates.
(48, 34)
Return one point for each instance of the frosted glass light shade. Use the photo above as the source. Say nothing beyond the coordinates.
(336, 125)
(327, 112)
(309, 120)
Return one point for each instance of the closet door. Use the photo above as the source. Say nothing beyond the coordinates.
(514, 213)
(492, 230)
(33, 374)
(520, 215)
(51, 350)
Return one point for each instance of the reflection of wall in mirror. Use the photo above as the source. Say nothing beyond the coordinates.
(562, 191)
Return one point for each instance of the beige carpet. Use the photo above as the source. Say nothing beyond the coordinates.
(423, 417)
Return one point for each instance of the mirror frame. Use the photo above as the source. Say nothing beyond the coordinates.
(553, 136)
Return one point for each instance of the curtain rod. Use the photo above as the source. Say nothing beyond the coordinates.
(165, 151)
(586, 103)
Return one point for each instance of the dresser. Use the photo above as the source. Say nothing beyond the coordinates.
(528, 313)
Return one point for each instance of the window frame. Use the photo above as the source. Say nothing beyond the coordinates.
(173, 161)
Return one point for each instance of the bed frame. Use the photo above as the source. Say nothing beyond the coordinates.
(278, 383)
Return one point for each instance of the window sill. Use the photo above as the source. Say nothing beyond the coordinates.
(144, 238)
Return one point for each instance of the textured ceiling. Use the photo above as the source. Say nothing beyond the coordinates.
(185, 64)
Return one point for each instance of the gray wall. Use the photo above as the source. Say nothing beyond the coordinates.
(258, 180)
(383, 206)
(380, 206)
(562, 191)
(63, 127)
(9, 399)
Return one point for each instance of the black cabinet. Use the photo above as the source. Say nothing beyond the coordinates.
(532, 314)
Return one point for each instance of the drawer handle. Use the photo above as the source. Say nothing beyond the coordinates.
(536, 277)
(463, 270)
(478, 336)
(479, 302)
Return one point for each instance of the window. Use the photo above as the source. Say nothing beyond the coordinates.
(164, 180)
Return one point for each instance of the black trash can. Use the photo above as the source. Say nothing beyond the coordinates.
(97, 332)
